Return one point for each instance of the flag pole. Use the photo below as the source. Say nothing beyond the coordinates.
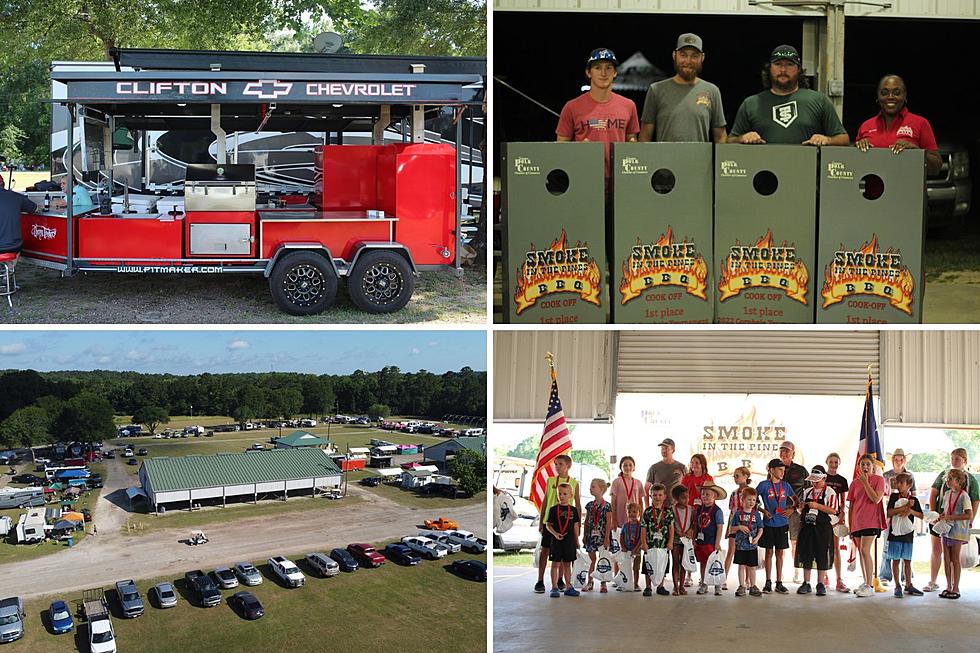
(878, 587)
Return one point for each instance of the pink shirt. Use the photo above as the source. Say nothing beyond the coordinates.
(607, 122)
(866, 514)
(625, 493)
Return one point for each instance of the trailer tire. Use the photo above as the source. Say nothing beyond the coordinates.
(303, 283)
(381, 282)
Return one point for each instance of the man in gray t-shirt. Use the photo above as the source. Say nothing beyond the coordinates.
(668, 472)
(684, 108)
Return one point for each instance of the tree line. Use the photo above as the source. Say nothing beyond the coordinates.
(43, 407)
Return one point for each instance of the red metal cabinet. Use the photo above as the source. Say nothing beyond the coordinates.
(45, 236)
(128, 239)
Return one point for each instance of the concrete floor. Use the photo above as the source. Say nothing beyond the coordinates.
(836, 623)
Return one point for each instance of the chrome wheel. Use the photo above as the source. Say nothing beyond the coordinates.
(303, 285)
(382, 283)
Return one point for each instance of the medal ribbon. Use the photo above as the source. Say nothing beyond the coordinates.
(568, 518)
(951, 506)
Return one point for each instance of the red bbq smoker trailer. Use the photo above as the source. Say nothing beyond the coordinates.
(378, 215)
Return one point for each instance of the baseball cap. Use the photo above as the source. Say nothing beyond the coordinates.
(668, 442)
(786, 52)
(775, 462)
(690, 40)
(602, 54)
(788, 445)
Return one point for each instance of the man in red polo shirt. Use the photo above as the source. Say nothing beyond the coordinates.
(599, 114)
(896, 128)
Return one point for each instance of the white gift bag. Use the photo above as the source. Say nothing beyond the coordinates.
(614, 546)
(688, 561)
(970, 553)
(930, 517)
(624, 577)
(504, 514)
(902, 524)
(603, 565)
(942, 527)
(656, 561)
(536, 558)
(580, 569)
(714, 570)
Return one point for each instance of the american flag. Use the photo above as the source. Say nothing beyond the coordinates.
(554, 441)
(869, 442)
(599, 123)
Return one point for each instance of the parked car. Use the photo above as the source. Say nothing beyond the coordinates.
(401, 554)
(60, 615)
(287, 571)
(86, 514)
(130, 601)
(441, 524)
(443, 539)
(202, 585)
(470, 542)
(472, 569)
(110, 454)
(142, 451)
(127, 453)
(101, 636)
(12, 617)
(425, 547)
(226, 578)
(165, 594)
(94, 481)
(366, 555)
(247, 573)
(949, 193)
(344, 559)
(371, 481)
(132, 461)
(323, 564)
(247, 605)
(28, 479)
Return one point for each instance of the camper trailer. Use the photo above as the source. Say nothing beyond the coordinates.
(28, 497)
(30, 528)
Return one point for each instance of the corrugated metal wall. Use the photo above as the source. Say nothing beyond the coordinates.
(931, 377)
(522, 382)
(790, 362)
(958, 9)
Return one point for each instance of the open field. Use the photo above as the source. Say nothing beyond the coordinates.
(25, 178)
(366, 610)
(15, 552)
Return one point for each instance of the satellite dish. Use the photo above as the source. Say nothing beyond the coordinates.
(328, 42)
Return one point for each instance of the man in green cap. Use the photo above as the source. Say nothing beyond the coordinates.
(787, 112)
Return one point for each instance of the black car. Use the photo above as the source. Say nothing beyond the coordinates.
(28, 479)
(247, 605)
(201, 584)
(371, 481)
(343, 558)
(132, 461)
(94, 481)
(109, 454)
(401, 554)
(471, 569)
(142, 451)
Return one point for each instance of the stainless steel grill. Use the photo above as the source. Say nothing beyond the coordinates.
(219, 187)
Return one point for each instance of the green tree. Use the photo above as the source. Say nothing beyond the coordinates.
(526, 448)
(470, 471)
(379, 411)
(931, 461)
(424, 27)
(86, 417)
(285, 402)
(151, 417)
(11, 136)
(26, 427)
(249, 402)
(595, 457)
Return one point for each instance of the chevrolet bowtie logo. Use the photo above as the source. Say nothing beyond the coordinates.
(268, 89)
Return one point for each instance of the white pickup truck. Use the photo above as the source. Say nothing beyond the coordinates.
(425, 547)
(470, 542)
(287, 571)
(101, 635)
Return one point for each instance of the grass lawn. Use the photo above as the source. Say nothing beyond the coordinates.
(10, 552)
(370, 609)
(513, 559)
(142, 524)
(412, 499)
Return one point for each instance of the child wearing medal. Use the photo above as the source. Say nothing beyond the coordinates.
(741, 476)
(900, 546)
(563, 525)
(815, 543)
(697, 478)
(658, 525)
(957, 511)
(777, 498)
(598, 524)
(563, 463)
(625, 490)
(631, 538)
(709, 526)
(745, 529)
(683, 527)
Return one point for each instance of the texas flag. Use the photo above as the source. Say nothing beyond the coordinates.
(869, 442)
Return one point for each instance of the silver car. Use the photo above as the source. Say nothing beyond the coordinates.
(165, 595)
(248, 574)
(225, 578)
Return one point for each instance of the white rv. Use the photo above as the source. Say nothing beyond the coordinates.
(30, 527)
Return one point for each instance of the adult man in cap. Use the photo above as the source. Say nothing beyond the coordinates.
(684, 108)
(787, 112)
(796, 476)
(599, 114)
(11, 206)
(668, 472)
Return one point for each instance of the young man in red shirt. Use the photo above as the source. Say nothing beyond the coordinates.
(599, 114)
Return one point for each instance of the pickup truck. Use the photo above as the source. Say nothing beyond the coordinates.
(202, 585)
(470, 542)
(425, 547)
(130, 601)
(287, 571)
(11, 619)
(101, 635)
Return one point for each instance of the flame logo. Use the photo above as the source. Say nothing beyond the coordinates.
(684, 267)
(868, 271)
(558, 269)
(764, 266)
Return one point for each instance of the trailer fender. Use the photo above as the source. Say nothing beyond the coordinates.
(286, 248)
(366, 246)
